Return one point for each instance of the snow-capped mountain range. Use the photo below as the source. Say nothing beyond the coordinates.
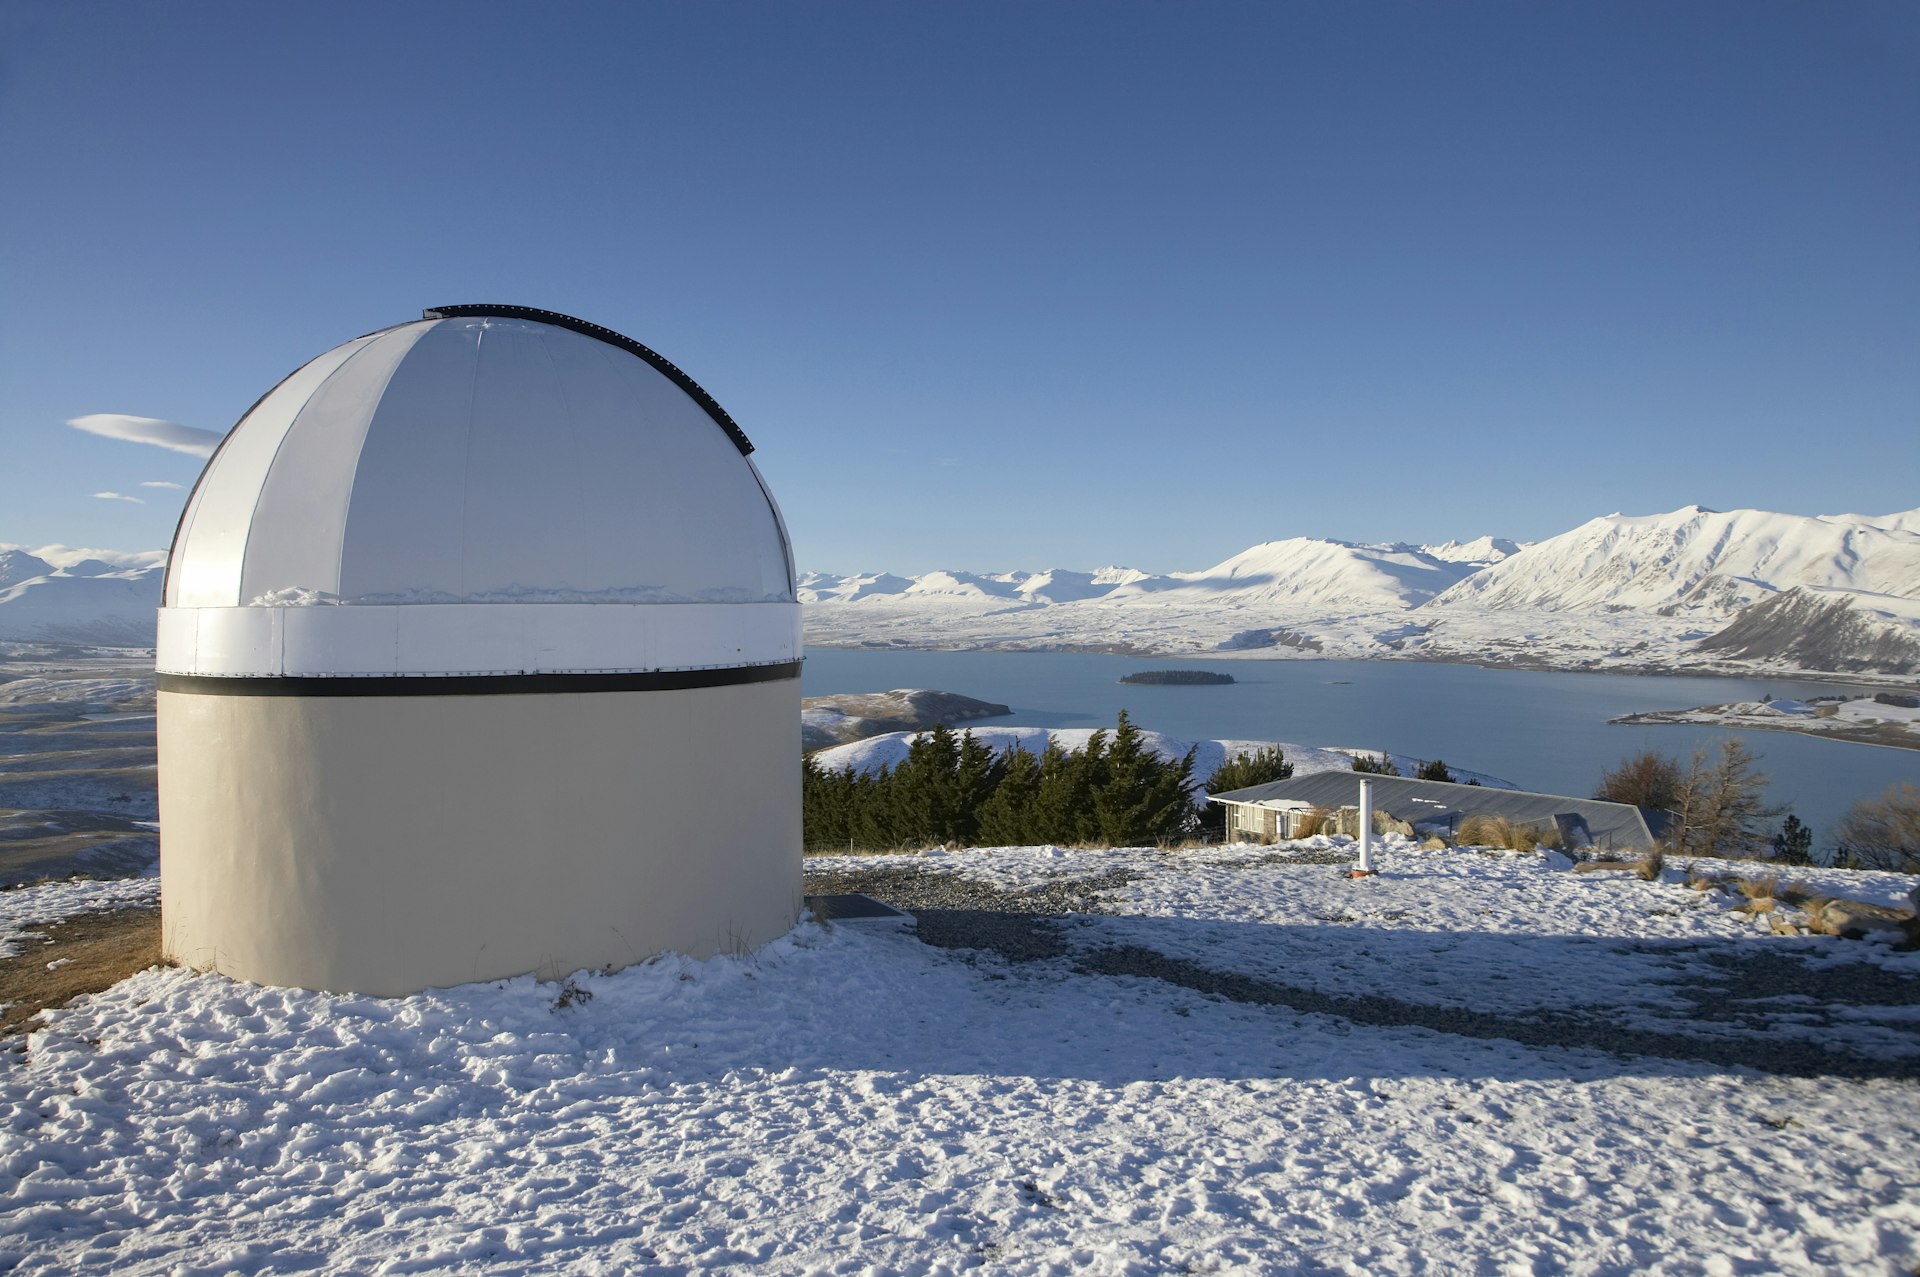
(1300, 570)
(1737, 590)
(1708, 561)
(1620, 591)
(60, 595)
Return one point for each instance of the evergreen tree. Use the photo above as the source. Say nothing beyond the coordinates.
(1140, 797)
(929, 799)
(1006, 819)
(821, 823)
(977, 774)
(827, 805)
(1243, 771)
(1793, 845)
(1063, 809)
(1435, 770)
(875, 822)
(1381, 766)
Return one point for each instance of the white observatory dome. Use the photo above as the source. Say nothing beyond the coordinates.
(479, 656)
(488, 490)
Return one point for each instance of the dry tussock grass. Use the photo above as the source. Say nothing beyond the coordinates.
(91, 952)
(1314, 822)
(1498, 831)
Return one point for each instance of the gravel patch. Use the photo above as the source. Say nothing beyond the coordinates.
(1792, 1057)
(952, 912)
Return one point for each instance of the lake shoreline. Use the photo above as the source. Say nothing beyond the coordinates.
(1547, 731)
(1882, 737)
(1134, 652)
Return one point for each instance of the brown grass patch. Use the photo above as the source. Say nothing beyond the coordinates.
(93, 952)
(1650, 866)
(1313, 821)
(1498, 831)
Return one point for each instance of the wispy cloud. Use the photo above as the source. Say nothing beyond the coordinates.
(160, 483)
(161, 434)
(117, 496)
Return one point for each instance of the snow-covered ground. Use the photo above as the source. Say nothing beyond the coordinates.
(852, 1100)
(99, 693)
(24, 911)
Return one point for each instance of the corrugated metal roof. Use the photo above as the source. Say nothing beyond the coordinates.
(1436, 803)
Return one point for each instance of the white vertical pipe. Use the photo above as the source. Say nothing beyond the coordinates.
(1366, 826)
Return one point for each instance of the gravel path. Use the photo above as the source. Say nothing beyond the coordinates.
(1026, 926)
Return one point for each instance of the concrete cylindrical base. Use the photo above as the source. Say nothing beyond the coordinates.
(387, 844)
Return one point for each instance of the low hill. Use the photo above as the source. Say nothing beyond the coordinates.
(826, 721)
(1835, 630)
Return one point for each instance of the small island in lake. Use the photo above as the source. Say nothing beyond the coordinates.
(1179, 678)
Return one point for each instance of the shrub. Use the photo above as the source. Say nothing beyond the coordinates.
(1646, 779)
(1720, 808)
(1883, 832)
(1793, 845)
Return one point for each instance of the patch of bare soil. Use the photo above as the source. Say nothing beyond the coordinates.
(85, 954)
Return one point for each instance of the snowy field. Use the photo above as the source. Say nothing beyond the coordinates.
(853, 1100)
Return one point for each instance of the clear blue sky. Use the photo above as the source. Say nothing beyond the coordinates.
(1011, 285)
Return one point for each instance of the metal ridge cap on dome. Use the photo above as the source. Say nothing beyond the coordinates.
(587, 328)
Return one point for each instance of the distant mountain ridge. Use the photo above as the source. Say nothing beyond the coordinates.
(1300, 569)
(60, 595)
(1695, 559)
(1689, 589)
(1620, 591)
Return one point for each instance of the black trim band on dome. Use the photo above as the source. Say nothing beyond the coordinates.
(660, 362)
(474, 684)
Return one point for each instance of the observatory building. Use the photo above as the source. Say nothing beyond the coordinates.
(479, 656)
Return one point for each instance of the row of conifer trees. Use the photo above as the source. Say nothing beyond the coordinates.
(953, 789)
